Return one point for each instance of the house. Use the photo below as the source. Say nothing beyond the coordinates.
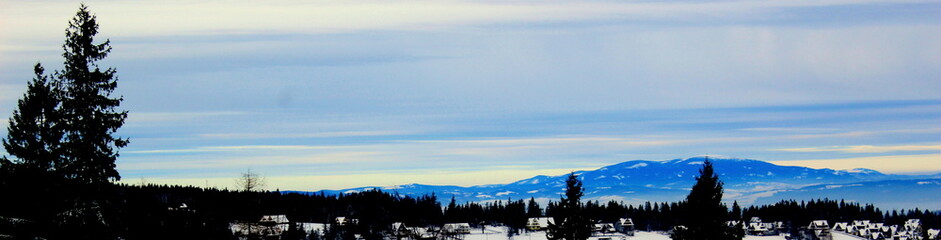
(625, 226)
(274, 225)
(863, 232)
(913, 225)
(840, 226)
(861, 223)
(422, 233)
(756, 228)
(933, 233)
(456, 228)
(343, 221)
(540, 223)
(603, 228)
(312, 228)
(244, 230)
(817, 230)
(400, 230)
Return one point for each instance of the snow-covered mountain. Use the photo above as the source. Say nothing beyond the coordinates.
(747, 181)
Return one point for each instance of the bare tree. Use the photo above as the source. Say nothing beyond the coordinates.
(250, 181)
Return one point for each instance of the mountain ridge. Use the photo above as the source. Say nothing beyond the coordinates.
(748, 181)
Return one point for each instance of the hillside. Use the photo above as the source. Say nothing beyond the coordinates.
(747, 181)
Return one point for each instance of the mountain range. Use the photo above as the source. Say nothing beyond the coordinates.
(746, 181)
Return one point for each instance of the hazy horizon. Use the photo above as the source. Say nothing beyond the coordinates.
(331, 94)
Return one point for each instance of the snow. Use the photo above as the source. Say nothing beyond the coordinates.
(533, 191)
(499, 233)
(639, 165)
(505, 193)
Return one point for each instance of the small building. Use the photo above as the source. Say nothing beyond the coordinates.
(913, 225)
(312, 228)
(603, 228)
(456, 228)
(757, 228)
(816, 230)
(934, 233)
(274, 225)
(625, 226)
(343, 221)
(539, 223)
(422, 233)
(840, 226)
(400, 230)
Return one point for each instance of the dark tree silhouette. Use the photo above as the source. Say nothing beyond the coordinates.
(33, 140)
(62, 138)
(704, 216)
(533, 209)
(34, 131)
(90, 112)
(570, 222)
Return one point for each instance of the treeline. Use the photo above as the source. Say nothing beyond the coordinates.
(163, 212)
(156, 212)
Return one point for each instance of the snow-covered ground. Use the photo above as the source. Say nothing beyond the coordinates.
(499, 233)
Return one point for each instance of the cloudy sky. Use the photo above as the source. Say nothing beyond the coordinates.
(329, 94)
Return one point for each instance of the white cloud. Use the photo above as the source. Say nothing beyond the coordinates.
(925, 163)
(865, 149)
(303, 135)
(151, 117)
(324, 16)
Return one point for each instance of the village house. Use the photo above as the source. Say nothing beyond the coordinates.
(625, 226)
(539, 223)
(456, 228)
(603, 228)
(309, 228)
(343, 221)
(816, 230)
(840, 226)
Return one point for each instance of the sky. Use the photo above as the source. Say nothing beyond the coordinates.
(331, 94)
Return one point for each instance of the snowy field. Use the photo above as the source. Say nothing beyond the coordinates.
(499, 233)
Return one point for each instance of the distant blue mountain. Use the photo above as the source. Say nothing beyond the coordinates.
(747, 181)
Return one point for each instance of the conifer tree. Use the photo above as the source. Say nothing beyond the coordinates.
(570, 222)
(91, 117)
(704, 215)
(34, 130)
(533, 209)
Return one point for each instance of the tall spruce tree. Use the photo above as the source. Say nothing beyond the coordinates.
(91, 117)
(704, 215)
(570, 220)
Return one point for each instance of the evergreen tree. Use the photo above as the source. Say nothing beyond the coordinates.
(736, 211)
(34, 131)
(570, 222)
(90, 112)
(704, 215)
(533, 209)
(33, 140)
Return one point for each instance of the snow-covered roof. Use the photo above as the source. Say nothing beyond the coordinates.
(275, 219)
